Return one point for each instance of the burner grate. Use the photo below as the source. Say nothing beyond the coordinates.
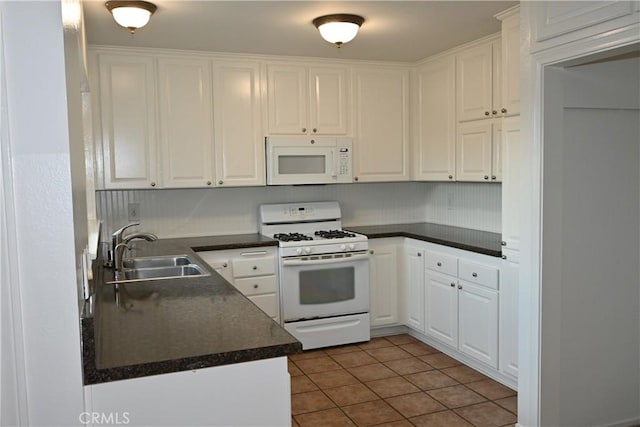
(333, 234)
(291, 237)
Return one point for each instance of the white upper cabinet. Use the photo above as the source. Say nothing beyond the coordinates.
(511, 191)
(474, 83)
(434, 156)
(128, 120)
(510, 62)
(239, 147)
(558, 22)
(306, 100)
(186, 122)
(381, 137)
(478, 151)
(328, 100)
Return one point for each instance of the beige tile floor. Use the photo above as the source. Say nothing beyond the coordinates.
(394, 381)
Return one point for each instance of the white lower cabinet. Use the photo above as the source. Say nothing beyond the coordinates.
(441, 307)
(508, 327)
(414, 287)
(216, 396)
(383, 279)
(253, 271)
(478, 322)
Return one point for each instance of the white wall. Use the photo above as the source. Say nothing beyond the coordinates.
(590, 273)
(45, 249)
(172, 213)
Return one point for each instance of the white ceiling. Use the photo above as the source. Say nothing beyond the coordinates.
(393, 30)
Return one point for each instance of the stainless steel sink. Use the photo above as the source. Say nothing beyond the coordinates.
(159, 268)
(171, 272)
(160, 261)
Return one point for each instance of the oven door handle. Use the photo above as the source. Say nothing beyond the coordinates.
(355, 257)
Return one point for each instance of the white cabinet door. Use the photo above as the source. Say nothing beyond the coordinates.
(511, 195)
(474, 83)
(186, 122)
(287, 96)
(328, 101)
(478, 322)
(434, 156)
(381, 144)
(383, 277)
(441, 308)
(128, 119)
(239, 146)
(414, 287)
(508, 326)
(496, 78)
(473, 150)
(496, 150)
(510, 104)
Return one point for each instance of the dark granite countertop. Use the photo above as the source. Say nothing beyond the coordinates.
(482, 242)
(162, 326)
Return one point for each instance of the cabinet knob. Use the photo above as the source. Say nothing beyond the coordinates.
(371, 252)
(225, 265)
(255, 267)
(503, 243)
(208, 182)
(419, 253)
(459, 286)
(313, 141)
(453, 285)
(486, 113)
(503, 111)
(315, 130)
(220, 182)
(439, 264)
(504, 257)
(486, 177)
(474, 274)
(304, 130)
(494, 112)
(153, 184)
(255, 286)
(450, 176)
(493, 177)
(355, 178)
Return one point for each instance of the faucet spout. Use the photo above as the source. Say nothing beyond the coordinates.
(118, 256)
(149, 237)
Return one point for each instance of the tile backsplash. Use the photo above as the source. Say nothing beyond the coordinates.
(218, 211)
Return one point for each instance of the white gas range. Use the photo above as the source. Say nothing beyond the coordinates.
(324, 273)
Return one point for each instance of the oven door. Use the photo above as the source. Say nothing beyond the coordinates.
(325, 285)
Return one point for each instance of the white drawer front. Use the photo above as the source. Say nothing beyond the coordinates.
(445, 264)
(258, 266)
(256, 285)
(266, 303)
(478, 273)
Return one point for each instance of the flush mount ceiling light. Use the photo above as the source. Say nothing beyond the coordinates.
(131, 14)
(338, 28)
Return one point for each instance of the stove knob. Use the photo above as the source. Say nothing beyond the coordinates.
(351, 246)
(307, 250)
(343, 247)
(299, 251)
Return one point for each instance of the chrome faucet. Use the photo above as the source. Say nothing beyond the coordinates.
(120, 242)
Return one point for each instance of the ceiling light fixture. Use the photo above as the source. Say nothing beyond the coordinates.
(131, 14)
(339, 28)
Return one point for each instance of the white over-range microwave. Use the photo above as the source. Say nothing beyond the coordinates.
(294, 160)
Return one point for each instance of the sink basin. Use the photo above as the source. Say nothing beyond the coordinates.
(158, 268)
(159, 261)
(169, 272)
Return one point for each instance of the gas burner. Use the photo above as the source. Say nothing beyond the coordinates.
(291, 237)
(334, 234)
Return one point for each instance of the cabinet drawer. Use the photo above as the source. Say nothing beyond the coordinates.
(254, 266)
(266, 303)
(256, 285)
(445, 264)
(478, 273)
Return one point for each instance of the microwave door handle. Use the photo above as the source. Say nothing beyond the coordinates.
(352, 258)
(333, 164)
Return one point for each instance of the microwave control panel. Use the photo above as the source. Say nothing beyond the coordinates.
(344, 160)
